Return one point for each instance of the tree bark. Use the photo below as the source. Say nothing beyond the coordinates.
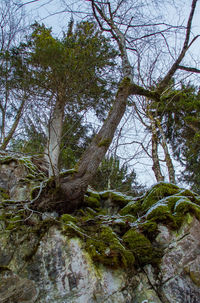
(10, 134)
(75, 186)
(155, 141)
(54, 138)
(156, 162)
(168, 160)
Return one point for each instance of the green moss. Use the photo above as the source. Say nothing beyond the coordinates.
(91, 202)
(195, 277)
(119, 198)
(184, 205)
(148, 227)
(158, 192)
(129, 218)
(26, 161)
(68, 218)
(6, 159)
(125, 83)
(14, 222)
(107, 249)
(158, 210)
(132, 208)
(91, 211)
(190, 195)
(93, 193)
(67, 172)
(105, 142)
(73, 230)
(141, 247)
(4, 195)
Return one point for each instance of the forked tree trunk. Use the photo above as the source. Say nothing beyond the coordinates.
(75, 186)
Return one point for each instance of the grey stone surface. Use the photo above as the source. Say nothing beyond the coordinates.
(45, 265)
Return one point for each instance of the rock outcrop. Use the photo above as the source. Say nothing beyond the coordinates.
(115, 249)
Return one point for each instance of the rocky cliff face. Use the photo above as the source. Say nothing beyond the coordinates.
(115, 249)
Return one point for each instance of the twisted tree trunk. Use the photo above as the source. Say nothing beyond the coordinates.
(75, 186)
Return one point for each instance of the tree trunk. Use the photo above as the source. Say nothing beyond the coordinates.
(10, 134)
(154, 141)
(75, 186)
(168, 160)
(54, 139)
(156, 163)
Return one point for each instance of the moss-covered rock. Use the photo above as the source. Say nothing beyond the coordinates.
(114, 196)
(68, 218)
(4, 194)
(184, 205)
(132, 208)
(158, 192)
(73, 229)
(14, 222)
(118, 230)
(91, 202)
(105, 247)
(141, 247)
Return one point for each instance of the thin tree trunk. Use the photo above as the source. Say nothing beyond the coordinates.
(170, 166)
(54, 139)
(156, 163)
(10, 134)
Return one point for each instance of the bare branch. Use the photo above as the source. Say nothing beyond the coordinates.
(186, 45)
(189, 69)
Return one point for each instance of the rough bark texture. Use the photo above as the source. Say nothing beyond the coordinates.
(74, 187)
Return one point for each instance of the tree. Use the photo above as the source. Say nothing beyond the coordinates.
(110, 175)
(104, 13)
(134, 36)
(179, 112)
(71, 72)
(12, 93)
(147, 112)
(76, 136)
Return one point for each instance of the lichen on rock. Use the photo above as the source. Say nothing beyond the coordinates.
(143, 248)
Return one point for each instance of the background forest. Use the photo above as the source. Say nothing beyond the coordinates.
(114, 93)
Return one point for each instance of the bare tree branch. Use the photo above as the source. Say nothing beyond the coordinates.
(189, 69)
(185, 47)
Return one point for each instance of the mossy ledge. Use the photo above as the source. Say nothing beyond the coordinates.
(124, 238)
(128, 237)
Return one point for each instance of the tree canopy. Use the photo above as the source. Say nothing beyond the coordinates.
(118, 57)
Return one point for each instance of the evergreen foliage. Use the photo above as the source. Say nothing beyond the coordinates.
(76, 66)
(111, 175)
